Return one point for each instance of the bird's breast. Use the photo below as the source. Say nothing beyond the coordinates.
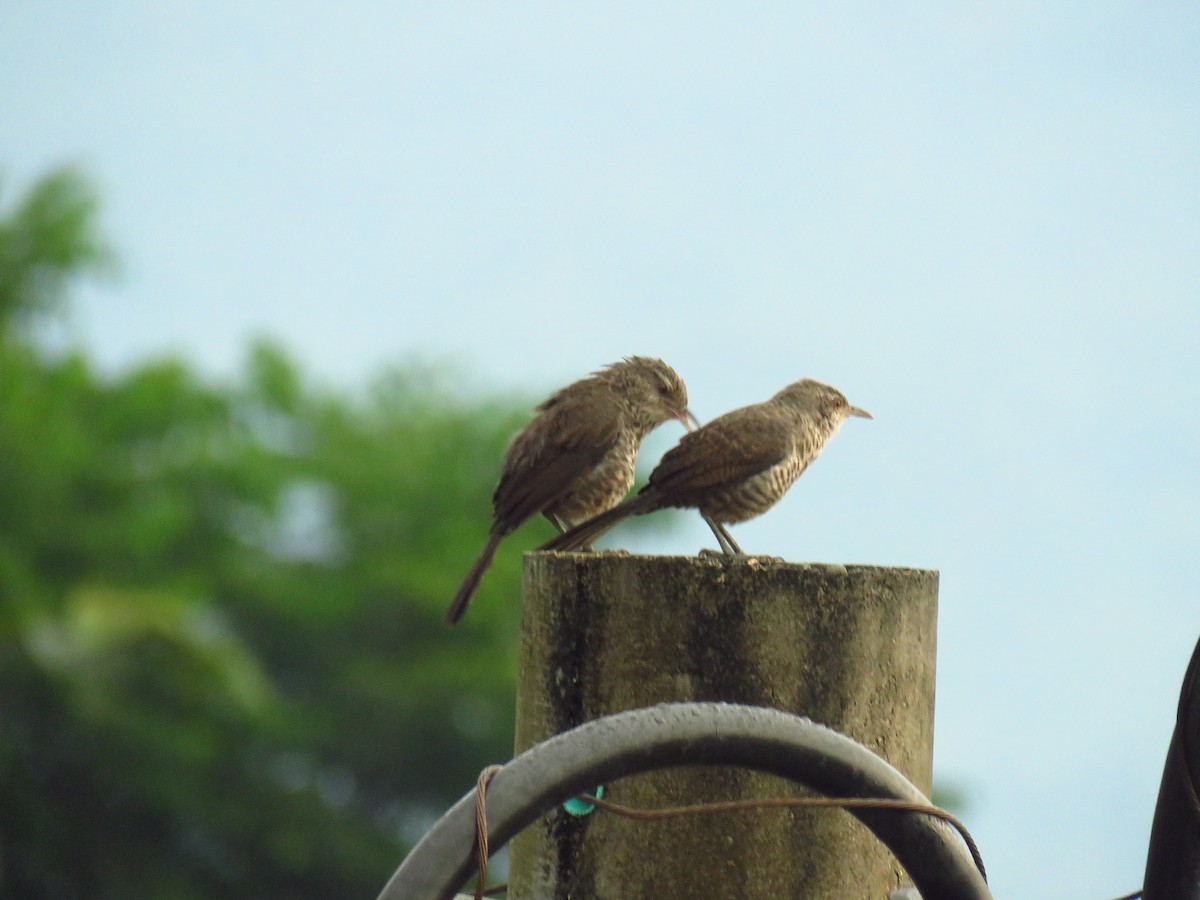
(753, 496)
(604, 486)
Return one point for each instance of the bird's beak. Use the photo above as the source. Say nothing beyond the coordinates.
(861, 413)
(688, 418)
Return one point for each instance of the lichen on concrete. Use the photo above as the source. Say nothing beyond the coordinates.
(852, 647)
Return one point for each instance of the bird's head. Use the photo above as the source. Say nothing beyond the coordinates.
(819, 400)
(652, 390)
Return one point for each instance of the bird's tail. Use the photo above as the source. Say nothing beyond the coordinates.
(471, 582)
(584, 533)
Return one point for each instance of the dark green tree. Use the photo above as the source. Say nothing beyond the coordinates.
(49, 238)
(222, 668)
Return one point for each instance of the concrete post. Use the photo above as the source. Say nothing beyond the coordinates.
(851, 647)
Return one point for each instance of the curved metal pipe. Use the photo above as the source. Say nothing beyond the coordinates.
(679, 734)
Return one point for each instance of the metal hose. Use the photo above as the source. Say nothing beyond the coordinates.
(681, 734)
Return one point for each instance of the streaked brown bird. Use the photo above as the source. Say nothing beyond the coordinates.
(736, 467)
(576, 458)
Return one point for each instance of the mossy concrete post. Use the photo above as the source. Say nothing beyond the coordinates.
(850, 647)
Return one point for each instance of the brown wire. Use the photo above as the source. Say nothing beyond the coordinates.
(481, 829)
(668, 812)
(784, 802)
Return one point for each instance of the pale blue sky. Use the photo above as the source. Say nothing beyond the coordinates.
(982, 224)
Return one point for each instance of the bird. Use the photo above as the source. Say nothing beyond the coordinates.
(576, 457)
(735, 467)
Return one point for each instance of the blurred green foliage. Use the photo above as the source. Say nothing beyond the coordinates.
(222, 667)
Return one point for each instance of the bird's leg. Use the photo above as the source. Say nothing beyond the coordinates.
(728, 545)
(563, 527)
(733, 545)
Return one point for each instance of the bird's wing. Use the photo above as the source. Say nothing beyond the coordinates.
(726, 451)
(565, 442)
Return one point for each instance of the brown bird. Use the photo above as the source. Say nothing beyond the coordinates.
(576, 458)
(736, 467)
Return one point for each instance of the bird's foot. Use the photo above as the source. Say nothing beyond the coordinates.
(753, 560)
(709, 553)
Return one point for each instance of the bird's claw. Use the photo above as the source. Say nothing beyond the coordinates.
(709, 553)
